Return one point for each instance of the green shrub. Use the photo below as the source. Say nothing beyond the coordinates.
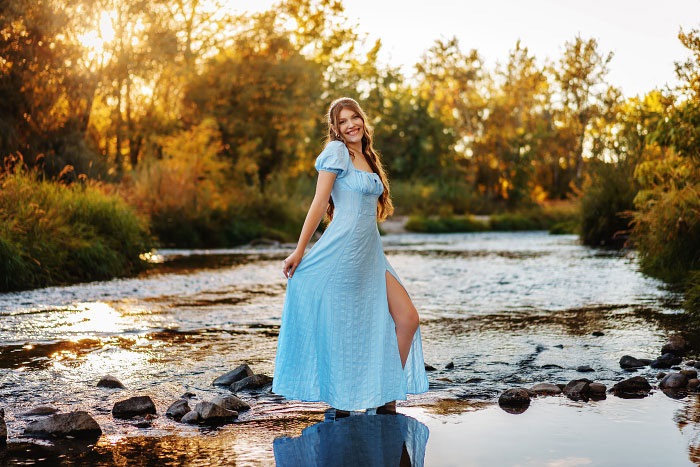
(605, 205)
(54, 234)
(445, 224)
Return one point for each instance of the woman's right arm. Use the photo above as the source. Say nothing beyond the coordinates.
(318, 207)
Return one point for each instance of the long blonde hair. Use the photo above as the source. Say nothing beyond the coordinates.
(384, 206)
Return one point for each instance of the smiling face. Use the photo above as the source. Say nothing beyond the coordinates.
(350, 125)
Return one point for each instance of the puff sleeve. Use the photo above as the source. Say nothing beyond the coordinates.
(334, 158)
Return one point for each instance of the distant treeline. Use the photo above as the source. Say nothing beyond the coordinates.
(206, 125)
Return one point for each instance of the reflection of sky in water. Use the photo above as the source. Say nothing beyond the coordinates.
(508, 309)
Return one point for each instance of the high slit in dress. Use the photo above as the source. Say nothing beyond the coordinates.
(337, 340)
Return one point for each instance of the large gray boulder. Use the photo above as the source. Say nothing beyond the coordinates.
(133, 406)
(251, 382)
(237, 374)
(77, 424)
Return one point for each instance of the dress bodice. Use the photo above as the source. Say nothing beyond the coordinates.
(354, 191)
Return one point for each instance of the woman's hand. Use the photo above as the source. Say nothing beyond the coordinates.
(291, 263)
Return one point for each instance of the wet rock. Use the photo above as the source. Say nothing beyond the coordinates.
(690, 374)
(447, 380)
(660, 363)
(675, 367)
(559, 346)
(208, 412)
(584, 369)
(143, 424)
(561, 386)
(598, 333)
(673, 381)
(693, 383)
(550, 366)
(188, 395)
(450, 366)
(41, 410)
(668, 356)
(597, 389)
(514, 397)
(676, 345)
(109, 381)
(429, 367)
(635, 387)
(178, 409)
(690, 362)
(628, 361)
(251, 382)
(190, 417)
(3, 428)
(232, 403)
(139, 405)
(77, 424)
(546, 388)
(237, 374)
(660, 375)
(577, 389)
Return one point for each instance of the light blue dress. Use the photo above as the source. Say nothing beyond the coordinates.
(337, 340)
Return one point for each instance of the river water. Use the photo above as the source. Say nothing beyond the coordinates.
(506, 309)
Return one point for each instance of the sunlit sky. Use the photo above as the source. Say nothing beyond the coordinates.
(643, 34)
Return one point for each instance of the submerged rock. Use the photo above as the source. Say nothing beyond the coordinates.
(584, 369)
(41, 410)
(450, 366)
(3, 428)
(77, 424)
(546, 388)
(109, 381)
(232, 403)
(138, 405)
(251, 382)
(673, 381)
(237, 374)
(514, 397)
(635, 387)
(178, 409)
(628, 361)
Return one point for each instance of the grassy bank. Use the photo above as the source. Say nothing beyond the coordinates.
(53, 234)
(560, 219)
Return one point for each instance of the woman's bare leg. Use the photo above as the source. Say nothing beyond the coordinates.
(404, 314)
(406, 320)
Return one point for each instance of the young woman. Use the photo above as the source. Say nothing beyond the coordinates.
(350, 334)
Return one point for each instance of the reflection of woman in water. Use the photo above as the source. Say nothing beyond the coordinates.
(350, 334)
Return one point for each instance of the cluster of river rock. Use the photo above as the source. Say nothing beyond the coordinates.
(225, 409)
(80, 424)
(517, 400)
